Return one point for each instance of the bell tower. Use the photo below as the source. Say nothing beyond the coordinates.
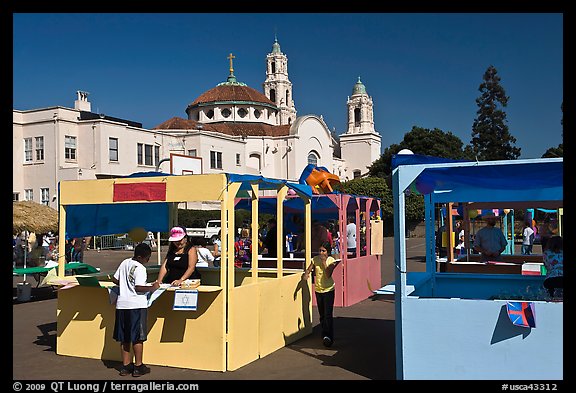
(360, 144)
(277, 86)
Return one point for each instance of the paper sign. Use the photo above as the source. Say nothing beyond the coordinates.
(185, 299)
(522, 313)
(154, 295)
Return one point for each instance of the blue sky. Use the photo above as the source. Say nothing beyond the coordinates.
(421, 69)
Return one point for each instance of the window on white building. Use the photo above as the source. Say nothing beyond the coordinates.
(242, 112)
(210, 114)
(113, 148)
(145, 154)
(312, 158)
(156, 155)
(15, 196)
(238, 159)
(192, 152)
(357, 117)
(29, 194)
(356, 173)
(45, 196)
(70, 147)
(27, 149)
(215, 160)
(257, 113)
(226, 112)
(39, 148)
(148, 155)
(272, 95)
(254, 161)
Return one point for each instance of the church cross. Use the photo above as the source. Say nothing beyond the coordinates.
(230, 57)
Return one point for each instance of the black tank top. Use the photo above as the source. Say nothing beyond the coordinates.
(176, 264)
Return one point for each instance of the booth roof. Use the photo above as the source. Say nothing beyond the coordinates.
(512, 180)
(104, 219)
(266, 183)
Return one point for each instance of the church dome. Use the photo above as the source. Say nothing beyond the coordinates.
(233, 101)
(231, 93)
(359, 88)
(276, 46)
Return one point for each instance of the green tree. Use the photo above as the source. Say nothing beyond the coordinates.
(491, 139)
(554, 152)
(423, 141)
(557, 151)
(372, 187)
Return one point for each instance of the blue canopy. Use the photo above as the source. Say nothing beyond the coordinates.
(266, 183)
(487, 181)
(103, 219)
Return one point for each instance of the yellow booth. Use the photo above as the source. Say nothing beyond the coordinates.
(241, 314)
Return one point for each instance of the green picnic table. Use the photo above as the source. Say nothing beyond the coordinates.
(75, 267)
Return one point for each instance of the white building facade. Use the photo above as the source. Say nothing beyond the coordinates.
(232, 128)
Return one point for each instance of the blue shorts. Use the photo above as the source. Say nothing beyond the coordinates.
(130, 325)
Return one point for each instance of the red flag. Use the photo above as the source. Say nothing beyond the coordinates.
(139, 192)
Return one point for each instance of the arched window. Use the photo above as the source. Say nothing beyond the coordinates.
(356, 173)
(313, 158)
(254, 161)
(272, 95)
(287, 96)
(273, 64)
(357, 117)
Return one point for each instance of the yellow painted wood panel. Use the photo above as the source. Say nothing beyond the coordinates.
(178, 189)
(85, 324)
(187, 339)
(296, 303)
(270, 323)
(243, 315)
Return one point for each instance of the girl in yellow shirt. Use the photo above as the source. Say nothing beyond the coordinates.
(323, 265)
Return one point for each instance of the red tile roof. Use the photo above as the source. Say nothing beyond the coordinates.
(231, 93)
(228, 128)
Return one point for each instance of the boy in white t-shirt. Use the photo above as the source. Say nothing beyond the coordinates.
(132, 309)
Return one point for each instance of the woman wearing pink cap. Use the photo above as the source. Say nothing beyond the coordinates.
(180, 261)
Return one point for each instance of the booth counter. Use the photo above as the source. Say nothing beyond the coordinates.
(461, 325)
(264, 317)
(241, 315)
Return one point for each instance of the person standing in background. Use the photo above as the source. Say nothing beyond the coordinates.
(205, 256)
(319, 235)
(351, 237)
(490, 241)
(527, 239)
(270, 239)
(554, 263)
(217, 249)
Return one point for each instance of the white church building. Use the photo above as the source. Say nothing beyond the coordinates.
(231, 128)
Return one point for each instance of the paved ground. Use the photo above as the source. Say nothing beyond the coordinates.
(364, 347)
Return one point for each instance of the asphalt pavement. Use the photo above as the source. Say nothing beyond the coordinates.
(364, 347)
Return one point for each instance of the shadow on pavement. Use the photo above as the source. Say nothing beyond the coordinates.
(362, 346)
(48, 337)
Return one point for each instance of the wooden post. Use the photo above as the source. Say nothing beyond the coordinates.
(449, 233)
